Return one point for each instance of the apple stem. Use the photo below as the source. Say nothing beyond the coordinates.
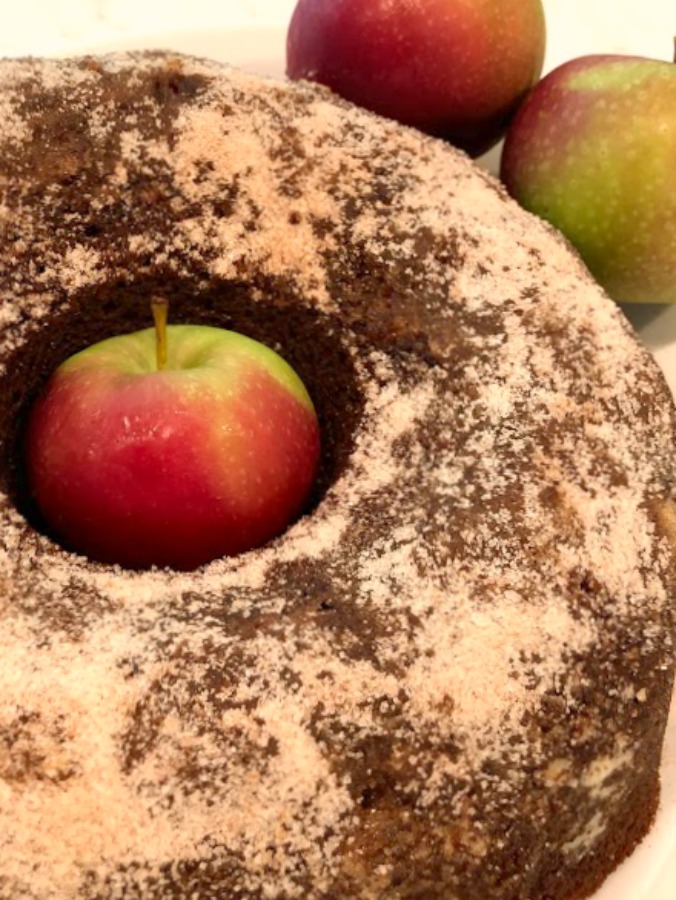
(160, 308)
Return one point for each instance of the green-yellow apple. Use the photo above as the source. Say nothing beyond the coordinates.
(212, 455)
(593, 150)
(453, 68)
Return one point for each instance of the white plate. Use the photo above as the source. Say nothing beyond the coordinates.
(255, 41)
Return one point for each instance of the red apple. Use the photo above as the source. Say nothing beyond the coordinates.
(212, 456)
(456, 69)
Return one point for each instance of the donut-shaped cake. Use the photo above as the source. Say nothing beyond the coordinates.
(451, 677)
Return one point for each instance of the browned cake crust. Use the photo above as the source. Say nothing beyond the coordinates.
(451, 678)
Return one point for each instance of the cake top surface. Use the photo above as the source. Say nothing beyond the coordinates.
(510, 452)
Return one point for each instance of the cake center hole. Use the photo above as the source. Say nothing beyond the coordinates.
(307, 340)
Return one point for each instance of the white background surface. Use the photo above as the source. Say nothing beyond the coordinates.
(251, 33)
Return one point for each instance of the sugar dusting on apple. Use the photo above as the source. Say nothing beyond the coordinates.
(457, 69)
(171, 446)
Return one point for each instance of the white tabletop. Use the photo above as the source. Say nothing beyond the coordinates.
(251, 33)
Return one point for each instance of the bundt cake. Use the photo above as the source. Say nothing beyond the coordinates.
(451, 677)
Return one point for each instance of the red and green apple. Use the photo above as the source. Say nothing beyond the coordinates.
(593, 151)
(212, 455)
(457, 69)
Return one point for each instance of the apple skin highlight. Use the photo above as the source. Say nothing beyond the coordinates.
(210, 457)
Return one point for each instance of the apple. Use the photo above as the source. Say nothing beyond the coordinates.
(593, 151)
(133, 463)
(457, 69)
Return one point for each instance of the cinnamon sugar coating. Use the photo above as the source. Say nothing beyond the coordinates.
(451, 678)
